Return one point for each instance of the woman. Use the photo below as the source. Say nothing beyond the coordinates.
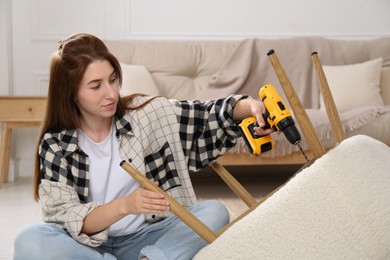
(93, 209)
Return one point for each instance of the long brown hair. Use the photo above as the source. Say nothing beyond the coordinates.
(67, 68)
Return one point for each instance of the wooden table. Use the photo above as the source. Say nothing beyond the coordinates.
(17, 112)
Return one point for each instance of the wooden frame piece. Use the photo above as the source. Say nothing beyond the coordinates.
(176, 208)
(330, 106)
(297, 107)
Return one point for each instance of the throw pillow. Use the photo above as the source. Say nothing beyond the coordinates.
(137, 79)
(354, 85)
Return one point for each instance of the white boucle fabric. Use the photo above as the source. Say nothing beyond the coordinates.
(338, 208)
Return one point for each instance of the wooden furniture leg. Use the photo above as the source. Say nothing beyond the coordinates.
(176, 208)
(331, 109)
(5, 152)
(300, 113)
(234, 185)
(5, 149)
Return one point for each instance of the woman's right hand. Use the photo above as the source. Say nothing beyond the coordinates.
(140, 201)
(143, 201)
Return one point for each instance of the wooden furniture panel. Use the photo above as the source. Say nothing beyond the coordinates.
(17, 112)
(22, 108)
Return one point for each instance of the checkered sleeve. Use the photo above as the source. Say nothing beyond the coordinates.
(59, 199)
(207, 129)
(60, 204)
(61, 160)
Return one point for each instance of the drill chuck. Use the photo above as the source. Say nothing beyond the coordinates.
(292, 134)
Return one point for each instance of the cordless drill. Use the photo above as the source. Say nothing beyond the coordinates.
(277, 116)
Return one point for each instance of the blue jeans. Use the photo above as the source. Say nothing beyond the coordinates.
(167, 239)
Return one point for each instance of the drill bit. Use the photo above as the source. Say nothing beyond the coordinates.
(300, 148)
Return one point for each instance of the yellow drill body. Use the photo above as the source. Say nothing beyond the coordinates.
(276, 111)
(277, 117)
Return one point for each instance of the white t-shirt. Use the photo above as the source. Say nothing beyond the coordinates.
(108, 180)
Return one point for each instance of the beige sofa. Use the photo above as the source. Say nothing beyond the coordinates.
(360, 82)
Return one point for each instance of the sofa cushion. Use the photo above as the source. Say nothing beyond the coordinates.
(355, 85)
(180, 69)
(137, 79)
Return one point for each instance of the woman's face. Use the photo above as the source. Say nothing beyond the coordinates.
(98, 92)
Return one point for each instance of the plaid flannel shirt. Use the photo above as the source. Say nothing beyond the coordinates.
(163, 140)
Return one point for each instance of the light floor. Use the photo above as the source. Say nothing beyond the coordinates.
(17, 207)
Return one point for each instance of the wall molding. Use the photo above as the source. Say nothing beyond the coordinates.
(64, 24)
(37, 35)
(212, 36)
(9, 48)
(41, 81)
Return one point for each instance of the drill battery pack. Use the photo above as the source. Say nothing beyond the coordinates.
(255, 143)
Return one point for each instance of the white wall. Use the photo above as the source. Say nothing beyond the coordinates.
(248, 18)
(35, 26)
(5, 47)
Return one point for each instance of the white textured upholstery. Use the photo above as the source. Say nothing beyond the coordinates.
(338, 208)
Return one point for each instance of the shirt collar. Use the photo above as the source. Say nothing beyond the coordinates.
(122, 126)
(69, 137)
(68, 141)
